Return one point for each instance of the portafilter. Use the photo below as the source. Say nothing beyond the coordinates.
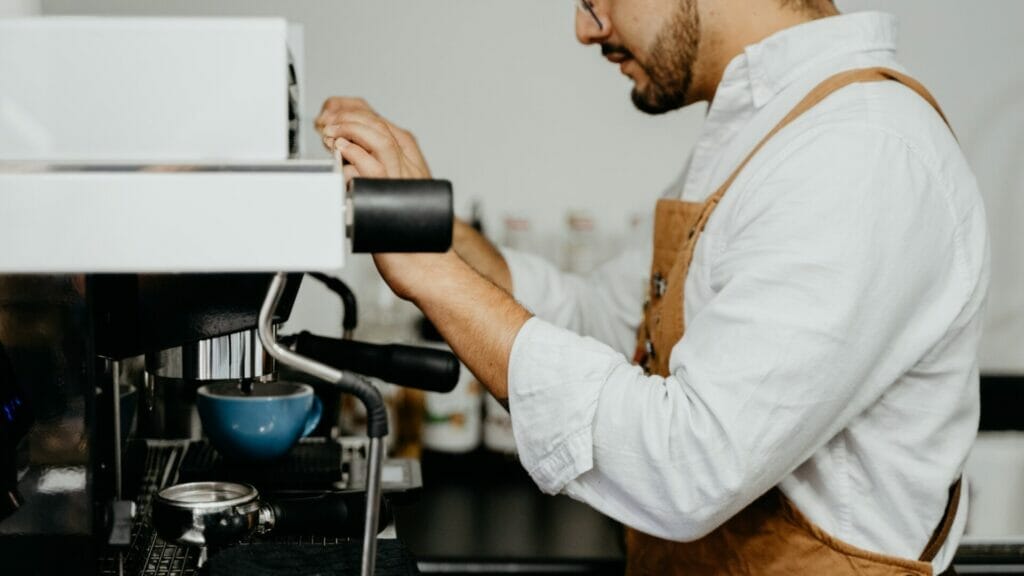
(222, 513)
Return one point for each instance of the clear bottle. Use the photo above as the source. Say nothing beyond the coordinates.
(582, 251)
(451, 422)
(519, 234)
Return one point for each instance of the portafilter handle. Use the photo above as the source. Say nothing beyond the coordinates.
(427, 369)
(338, 514)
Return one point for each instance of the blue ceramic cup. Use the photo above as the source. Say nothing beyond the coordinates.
(263, 425)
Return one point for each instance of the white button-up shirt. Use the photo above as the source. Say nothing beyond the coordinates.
(833, 312)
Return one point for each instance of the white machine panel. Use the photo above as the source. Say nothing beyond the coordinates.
(144, 89)
(172, 218)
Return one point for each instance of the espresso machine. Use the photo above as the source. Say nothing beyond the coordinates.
(131, 275)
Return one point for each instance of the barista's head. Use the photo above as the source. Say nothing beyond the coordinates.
(675, 51)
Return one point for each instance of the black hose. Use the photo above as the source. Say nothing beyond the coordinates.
(348, 299)
(367, 393)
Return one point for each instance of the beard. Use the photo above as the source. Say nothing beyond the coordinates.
(669, 64)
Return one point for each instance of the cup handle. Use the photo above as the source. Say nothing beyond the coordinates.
(313, 418)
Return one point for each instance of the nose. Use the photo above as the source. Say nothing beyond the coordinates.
(587, 29)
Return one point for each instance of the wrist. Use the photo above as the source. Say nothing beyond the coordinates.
(445, 279)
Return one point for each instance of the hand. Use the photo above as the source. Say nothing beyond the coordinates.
(373, 147)
(367, 143)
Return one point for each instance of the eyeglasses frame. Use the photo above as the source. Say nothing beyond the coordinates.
(588, 7)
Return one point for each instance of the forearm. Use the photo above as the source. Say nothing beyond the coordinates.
(478, 319)
(481, 255)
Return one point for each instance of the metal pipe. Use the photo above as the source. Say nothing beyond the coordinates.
(115, 378)
(369, 395)
(372, 506)
(279, 352)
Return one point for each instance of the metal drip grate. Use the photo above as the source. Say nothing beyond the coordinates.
(168, 462)
(163, 559)
(149, 555)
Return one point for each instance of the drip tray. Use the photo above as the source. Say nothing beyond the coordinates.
(309, 466)
(313, 465)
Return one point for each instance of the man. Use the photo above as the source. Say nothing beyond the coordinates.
(802, 394)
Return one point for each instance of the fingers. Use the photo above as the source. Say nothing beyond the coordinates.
(339, 104)
(348, 170)
(368, 117)
(356, 120)
(357, 158)
(335, 103)
(361, 162)
(373, 139)
(338, 109)
(411, 148)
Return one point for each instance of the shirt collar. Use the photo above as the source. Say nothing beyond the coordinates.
(776, 61)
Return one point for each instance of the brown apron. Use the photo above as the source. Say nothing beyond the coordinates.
(770, 537)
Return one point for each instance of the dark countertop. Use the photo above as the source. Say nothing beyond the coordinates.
(993, 557)
(481, 514)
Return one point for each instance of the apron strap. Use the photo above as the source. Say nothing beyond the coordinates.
(945, 525)
(831, 85)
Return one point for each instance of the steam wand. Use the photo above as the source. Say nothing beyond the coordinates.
(376, 413)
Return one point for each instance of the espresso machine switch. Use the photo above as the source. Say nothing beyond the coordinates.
(122, 515)
(400, 215)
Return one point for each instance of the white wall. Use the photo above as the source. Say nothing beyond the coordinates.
(514, 112)
(9, 8)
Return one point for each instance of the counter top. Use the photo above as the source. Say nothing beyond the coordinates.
(480, 513)
(995, 557)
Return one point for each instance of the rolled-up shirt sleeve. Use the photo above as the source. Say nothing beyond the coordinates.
(828, 284)
(562, 452)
